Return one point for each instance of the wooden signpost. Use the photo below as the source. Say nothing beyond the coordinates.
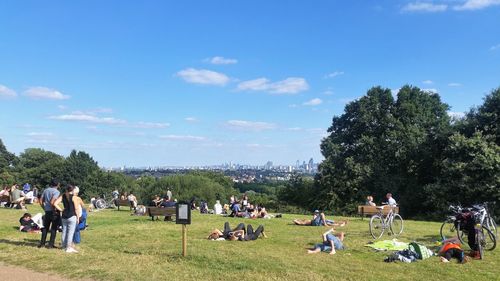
(183, 216)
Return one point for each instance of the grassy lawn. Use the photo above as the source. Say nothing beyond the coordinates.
(118, 246)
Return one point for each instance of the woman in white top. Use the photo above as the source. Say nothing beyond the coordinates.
(217, 208)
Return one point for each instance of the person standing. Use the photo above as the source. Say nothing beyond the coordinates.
(169, 194)
(51, 218)
(81, 217)
(69, 218)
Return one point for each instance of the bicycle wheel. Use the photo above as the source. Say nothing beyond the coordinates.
(447, 230)
(397, 224)
(100, 204)
(376, 226)
(489, 241)
(492, 225)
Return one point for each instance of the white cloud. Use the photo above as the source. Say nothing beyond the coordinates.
(494, 48)
(427, 82)
(313, 102)
(221, 60)
(259, 84)
(249, 125)
(62, 107)
(453, 84)
(150, 125)
(295, 129)
(45, 93)
(88, 118)
(328, 93)
(183, 138)
(456, 115)
(431, 90)
(6, 92)
(334, 74)
(424, 7)
(293, 106)
(476, 4)
(290, 85)
(395, 92)
(191, 119)
(203, 76)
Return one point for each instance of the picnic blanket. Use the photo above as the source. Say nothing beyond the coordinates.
(388, 245)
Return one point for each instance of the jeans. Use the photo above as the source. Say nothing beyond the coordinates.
(68, 231)
(50, 221)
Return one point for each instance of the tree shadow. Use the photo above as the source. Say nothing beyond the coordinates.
(25, 242)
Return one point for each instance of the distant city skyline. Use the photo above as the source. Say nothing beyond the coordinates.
(194, 83)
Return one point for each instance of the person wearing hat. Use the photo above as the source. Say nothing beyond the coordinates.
(318, 219)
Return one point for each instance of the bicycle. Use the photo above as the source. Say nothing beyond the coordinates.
(450, 226)
(486, 226)
(102, 203)
(379, 223)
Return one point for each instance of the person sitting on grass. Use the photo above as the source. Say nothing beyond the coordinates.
(331, 243)
(451, 248)
(236, 210)
(28, 225)
(319, 219)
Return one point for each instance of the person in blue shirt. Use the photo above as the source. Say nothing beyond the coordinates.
(331, 243)
(52, 216)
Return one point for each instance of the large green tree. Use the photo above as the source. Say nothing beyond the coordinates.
(380, 145)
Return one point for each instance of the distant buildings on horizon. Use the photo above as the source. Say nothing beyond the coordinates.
(240, 173)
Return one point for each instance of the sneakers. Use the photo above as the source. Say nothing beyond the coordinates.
(71, 250)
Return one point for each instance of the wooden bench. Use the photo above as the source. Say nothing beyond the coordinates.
(123, 203)
(167, 212)
(366, 210)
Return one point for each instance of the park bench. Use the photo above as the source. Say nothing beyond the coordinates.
(167, 212)
(123, 203)
(366, 210)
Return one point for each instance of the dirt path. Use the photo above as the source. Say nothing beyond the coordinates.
(10, 272)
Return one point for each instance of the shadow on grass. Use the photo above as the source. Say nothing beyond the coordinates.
(25, 242)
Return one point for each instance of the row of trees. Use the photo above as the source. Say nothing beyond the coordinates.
(411, 147)
(38, 167)
(407, 145)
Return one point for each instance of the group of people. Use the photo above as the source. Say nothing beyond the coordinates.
(71, 215)
(237, 234)
(243, 208)
(390, 200)
(17, 197)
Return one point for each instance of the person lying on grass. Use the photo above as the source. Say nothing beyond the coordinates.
(331, 243)
(452, 249)
(237, 233)
(319, 219)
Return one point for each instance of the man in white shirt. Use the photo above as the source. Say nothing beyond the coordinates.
(390, 200)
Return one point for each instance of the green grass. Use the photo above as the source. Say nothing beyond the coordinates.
(118, 246)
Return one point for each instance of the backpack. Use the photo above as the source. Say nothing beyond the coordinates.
(422, 251)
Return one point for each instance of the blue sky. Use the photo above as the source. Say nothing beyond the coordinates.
(142, 83)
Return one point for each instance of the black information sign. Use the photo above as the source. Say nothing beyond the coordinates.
(182, 213)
